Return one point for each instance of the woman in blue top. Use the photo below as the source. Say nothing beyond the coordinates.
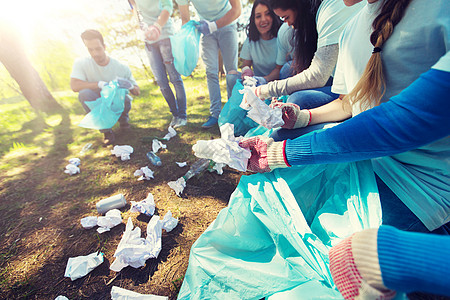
(155, 21)
(259, 50)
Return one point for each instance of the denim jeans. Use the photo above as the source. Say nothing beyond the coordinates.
(286, 70)
(308, 99)
(231, 81)
(225, 40)
(92, 95)
(161, 63)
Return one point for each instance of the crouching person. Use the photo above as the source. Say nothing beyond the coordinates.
(90, 74)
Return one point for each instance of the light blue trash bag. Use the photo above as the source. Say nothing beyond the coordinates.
(232, 113)
(106, 110)
(276, 232)
(186, 47)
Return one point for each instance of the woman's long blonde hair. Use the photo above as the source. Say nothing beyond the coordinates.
(371, 86)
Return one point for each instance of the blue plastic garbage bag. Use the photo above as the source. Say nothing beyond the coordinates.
(276, 232)
(232, 113)
(186, 47)
(106, 110)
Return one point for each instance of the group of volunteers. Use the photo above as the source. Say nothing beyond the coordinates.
(364, 80)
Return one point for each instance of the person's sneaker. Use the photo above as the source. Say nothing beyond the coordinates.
(109, 138)
(173, 122)
(212, 121)
(180, 122)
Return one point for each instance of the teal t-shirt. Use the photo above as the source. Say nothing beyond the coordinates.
(87, 69)
(262, 53)
(285, 44)
(210, 10)
(414, 48)
(150, 11)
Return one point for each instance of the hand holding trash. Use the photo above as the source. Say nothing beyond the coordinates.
(101, 84)
(206, 27)
(124, 83)
(293, 116)
(153, 32)
(267, 154)
(246, 71)
(254, 81)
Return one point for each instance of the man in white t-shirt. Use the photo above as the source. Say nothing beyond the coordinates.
(90, 74)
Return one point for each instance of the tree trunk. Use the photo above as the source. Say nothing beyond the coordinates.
(16, 62)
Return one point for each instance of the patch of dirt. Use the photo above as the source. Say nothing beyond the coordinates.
(41, 208)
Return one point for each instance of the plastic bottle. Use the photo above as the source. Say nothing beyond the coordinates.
(116, 201)
(86, 148)
(154, 158)
(198, 167)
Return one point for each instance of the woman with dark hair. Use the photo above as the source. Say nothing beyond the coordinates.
(318, 25)
(259, 50)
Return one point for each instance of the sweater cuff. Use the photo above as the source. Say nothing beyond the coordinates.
(275, 155)
(364, 248)
(263, 91)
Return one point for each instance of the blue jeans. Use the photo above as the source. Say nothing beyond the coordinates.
(161, 63)
(231, 81)
(286, 70)
(225, 40)
(397, 214)
(92, 95)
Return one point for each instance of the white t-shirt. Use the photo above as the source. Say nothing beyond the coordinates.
(355, 50)
(331, 18)
(87, 69)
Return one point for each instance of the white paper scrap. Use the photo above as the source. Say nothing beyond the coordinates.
(225, 150)
(156, 145)
(178, 185)
(259, 111)
(111, 219)
(75, 161)
(118, 293)
(72, 169)
(169, 222)
(145, 173)
(80, 266)
(133, 250)
(89, 222)
(181, 164)
(123, 152)
(146, 206)
(61, 298)
(170, 134)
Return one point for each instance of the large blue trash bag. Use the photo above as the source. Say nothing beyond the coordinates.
(276, 232)
(186, 47)
(106, 110)
(232, 113)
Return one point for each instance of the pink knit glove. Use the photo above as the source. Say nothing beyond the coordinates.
(153, 32)
(266, 154)
(346, 275)
(292, 115)
(246, 71)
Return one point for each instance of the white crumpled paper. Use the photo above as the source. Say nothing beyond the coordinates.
(72, 168)
(61, 298)
(134, 250)
(178, 185)
(170, 134)
(259, 111)
(80, 266)
(145, 173)
(89, 222)
(225, 150)
(118, 293)
(123, 152)
(181, 164)
(111, 219)
(169, 222)
(156, 145)
(146, 206)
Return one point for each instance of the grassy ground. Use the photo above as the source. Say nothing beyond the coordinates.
(41, 206)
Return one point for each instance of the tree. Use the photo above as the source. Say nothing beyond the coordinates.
(16, 62)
